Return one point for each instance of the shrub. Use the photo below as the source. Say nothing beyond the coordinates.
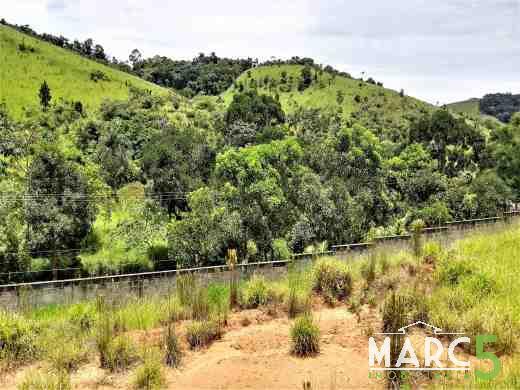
(36, 380)
(98, 75)
(172, 348)
(332, 279)
(281, 249)
(149, 375)
(17, 338)
(305, 336)
(255, 292)
(202, 333)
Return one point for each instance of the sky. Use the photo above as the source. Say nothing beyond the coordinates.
(440, 51)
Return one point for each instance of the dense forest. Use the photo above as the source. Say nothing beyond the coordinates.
(500, 105)
(161, 181)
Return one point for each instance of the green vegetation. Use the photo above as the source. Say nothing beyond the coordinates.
(441, 286)
(470, 107)
(202, 333)
(363, 101)
(332, 279)
(305, 336)
(149, 375)
(67, 74)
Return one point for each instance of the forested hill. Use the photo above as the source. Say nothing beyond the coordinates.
(25, 62)
(291, 155)
(501, 106)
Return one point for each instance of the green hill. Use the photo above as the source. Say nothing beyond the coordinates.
(368, 102)
(26, 61)
(470, 106)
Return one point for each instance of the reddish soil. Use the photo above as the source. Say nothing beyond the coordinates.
(256, 356)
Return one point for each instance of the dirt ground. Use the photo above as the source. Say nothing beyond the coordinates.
(255, 356)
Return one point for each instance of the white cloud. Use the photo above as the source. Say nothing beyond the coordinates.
(439, 51)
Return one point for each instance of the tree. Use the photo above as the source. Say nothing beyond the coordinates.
(114, 156)
(251, 107)
(45, 96)
(58, 211)
(135, 57)
(86, 48)
(203, 235)
(305, 78)
(99, 53)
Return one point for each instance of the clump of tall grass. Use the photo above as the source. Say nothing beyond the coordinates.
(70, 355)
(395, 316)
(38, 380)
(184, 286)
(115, 352)
(173, 354)
(417, 228)
(368, 269)
(299, 298)
(305, 336)
(332, 279)
(232, 261)
(254, 292)
(193, 297)
(18, 339)
(200, 334)
(149, 375)
(120, 354)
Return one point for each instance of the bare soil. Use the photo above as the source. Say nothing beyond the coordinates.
(252, 354)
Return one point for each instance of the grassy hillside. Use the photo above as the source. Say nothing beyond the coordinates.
(361, 99)
(470, 106)
(68, 74)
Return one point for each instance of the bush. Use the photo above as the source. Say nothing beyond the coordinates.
(149, 375)
(332, 279)
(173, 352)
(202, 333)
(254, 293)
(36, 380)
(281, 250)
(17, 338)
(305, 337)
(98, 75)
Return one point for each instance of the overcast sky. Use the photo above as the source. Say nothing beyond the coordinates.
(437, 50)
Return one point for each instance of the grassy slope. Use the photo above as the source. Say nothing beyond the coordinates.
(382, 101)
(470, 106)
(68, 75)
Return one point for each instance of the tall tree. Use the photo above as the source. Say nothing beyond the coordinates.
(45, 95)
